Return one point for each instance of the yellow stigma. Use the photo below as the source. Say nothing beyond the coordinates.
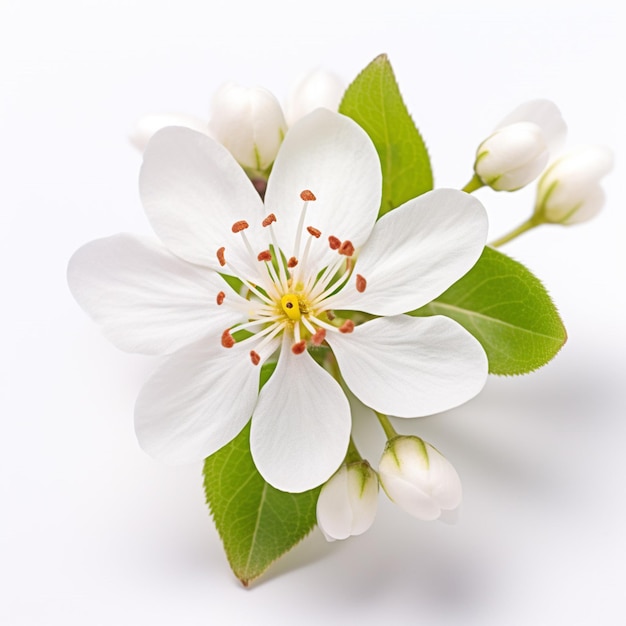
(291, 307)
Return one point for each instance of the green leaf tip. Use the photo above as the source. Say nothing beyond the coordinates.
(256, 522)
(373, 100)
(508, 310)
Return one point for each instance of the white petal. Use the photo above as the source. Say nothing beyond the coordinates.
(333, 157)
(410, 367)
(546, 115)
(416, 252)
(301, 425)
(198, 401)
(193, 191)
(148, 125)
(146, 299)
(318, 88)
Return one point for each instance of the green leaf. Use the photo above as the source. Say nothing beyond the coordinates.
(256, 522)
(508, 310)
(373, 100)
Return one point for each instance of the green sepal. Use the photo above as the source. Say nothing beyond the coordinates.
(256, 522)
(508, 310)
(373, 100)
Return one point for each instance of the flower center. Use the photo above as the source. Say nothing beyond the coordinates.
(288, 293)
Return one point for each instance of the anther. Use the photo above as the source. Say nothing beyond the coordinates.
(346, 327)
(266, 255)
(318, 337)
(220, 256)
(227, 339)
(346, 248)
(239, 226)
(292, 262)
(220, 297)
(334, 243)
(361, 283)
(298, 348)
(270, 219)
(308, 195)
(313, 231)
(254, 357)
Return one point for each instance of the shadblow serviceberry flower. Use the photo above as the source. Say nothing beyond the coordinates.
(519, 148)
(569, 191)
(418, 478)
(311, 252)
(317, 89)
(348, 502)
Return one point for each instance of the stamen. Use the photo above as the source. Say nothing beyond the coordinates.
(220, 297)
(318, 337)
(361, 283)
(334, 243)
(298, 348)
(254, 357)
(239, 226)
(266, 255)
(220, 256)
(308, 196)
(346, 248)
(292, 262)
(270, 219)
(227, 339)
(313, 231)
(346, 327)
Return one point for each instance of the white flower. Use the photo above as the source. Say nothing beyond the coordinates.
(348, 501)
(518, 150)
(150, 124)
(327, 255)
(249, 122)
(569, 191)
(318, 88)
(418, 478)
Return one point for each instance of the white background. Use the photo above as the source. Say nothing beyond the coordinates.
(93, 532)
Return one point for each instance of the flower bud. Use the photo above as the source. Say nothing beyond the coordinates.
(317, 89)
(569, 191)
(149, 124)
(249, 122)
(418, 478)
(519, 149)
(348, 501)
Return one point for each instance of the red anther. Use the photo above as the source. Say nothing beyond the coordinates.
(361, 283)
(346, 248)
(313, 231)
(270, 219)
(334, 243)
(220, 297)
(298, 348)
(292, 262)
(346, 327)
(254, 357)
(307, 195)
(266, 255)
(239, 226)
(318, 337)
(227, 339)
(220, 256)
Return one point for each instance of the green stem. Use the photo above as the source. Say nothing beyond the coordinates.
(531, 222)
(473, 184)
(390, 431)
(353, 455)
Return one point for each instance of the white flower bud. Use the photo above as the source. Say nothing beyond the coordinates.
(418, 478)
(348, 501)
(149, 124)
(318, 88)
(249, 122)
(569, 191)
(519, 149)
